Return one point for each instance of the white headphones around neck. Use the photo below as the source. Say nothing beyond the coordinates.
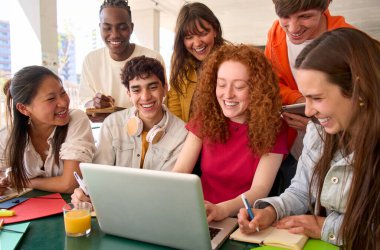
(135, 126)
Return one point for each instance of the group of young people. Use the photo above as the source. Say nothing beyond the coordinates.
(230, 96)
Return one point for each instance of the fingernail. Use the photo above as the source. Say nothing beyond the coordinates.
(257, 229)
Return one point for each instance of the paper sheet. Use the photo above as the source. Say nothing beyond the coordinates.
(36, 208)
(9, 240)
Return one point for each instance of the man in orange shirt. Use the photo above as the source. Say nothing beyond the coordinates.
(299, 22)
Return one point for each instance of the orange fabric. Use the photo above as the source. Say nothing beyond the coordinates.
(276, 51)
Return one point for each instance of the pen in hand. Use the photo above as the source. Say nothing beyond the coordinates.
(247, 206)
(249, 210)
(81, 183)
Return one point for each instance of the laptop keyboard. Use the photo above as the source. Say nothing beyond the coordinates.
(213, 231)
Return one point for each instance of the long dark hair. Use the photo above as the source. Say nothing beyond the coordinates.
(351, 60)
(22, 88)
(182, 62)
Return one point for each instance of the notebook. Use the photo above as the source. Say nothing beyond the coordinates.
(272, 236)
(12, 202)
(9, 240)
(11, 193)
(90, 111)
(158, 207)
(311, 244)
(36, 207)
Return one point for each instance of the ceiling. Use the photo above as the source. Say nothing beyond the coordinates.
(248, 21)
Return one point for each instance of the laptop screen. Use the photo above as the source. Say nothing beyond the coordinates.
(159, 207)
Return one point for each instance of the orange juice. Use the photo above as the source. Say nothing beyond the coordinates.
(77, 222)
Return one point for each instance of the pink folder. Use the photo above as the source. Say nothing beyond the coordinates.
(36, 208)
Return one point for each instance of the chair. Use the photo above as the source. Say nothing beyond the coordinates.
(284, 176)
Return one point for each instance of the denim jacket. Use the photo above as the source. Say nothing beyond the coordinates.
(118, 148)
(335, 190)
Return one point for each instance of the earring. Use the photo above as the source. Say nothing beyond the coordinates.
(361, 102)
(29, 120)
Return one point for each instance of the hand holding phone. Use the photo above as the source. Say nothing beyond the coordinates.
(298, 109)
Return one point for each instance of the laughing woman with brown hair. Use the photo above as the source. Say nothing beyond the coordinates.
(338, 173)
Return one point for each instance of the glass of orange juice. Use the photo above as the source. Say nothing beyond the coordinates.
(77, 218)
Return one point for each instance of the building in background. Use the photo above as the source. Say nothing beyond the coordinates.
(5, 49)
(66, 57)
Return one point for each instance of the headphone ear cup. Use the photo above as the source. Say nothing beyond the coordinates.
(134, 126)
(155, 134)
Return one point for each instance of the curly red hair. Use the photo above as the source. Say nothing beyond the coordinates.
(263, 112)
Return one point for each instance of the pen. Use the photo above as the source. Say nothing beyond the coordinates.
(81, 183)
(247, 206)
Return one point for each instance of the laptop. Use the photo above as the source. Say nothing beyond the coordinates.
(163, 208)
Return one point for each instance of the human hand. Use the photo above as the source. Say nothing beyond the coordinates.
(263, 219)
(98, 117)
(215, 211)
(301, 100)
(4, 180)
(3, 186)
(101, 101)
(298, 122)
(303, 224)
(79, 196)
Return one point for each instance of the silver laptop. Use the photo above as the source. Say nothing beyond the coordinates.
(159, 207)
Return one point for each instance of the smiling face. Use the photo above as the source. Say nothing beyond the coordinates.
(201, 44)
(147, 96)
(50, 106)
(232, 90)
(304, 25)
(325, 101)
(116, 29)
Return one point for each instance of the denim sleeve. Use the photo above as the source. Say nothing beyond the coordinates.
(295, 199)
(331, 228)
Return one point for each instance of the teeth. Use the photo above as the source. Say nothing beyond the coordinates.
(147, 105)
(297, 34)
(323, 120)
(61, 113)
(230, 103)
(114, 42)
(199, 49)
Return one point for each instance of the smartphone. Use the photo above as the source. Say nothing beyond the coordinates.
(298, 109)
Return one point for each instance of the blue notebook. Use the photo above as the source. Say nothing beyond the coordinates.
(9, 240)
(12, 202)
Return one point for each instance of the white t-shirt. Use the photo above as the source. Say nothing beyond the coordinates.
(100, 73)
(293, 51)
